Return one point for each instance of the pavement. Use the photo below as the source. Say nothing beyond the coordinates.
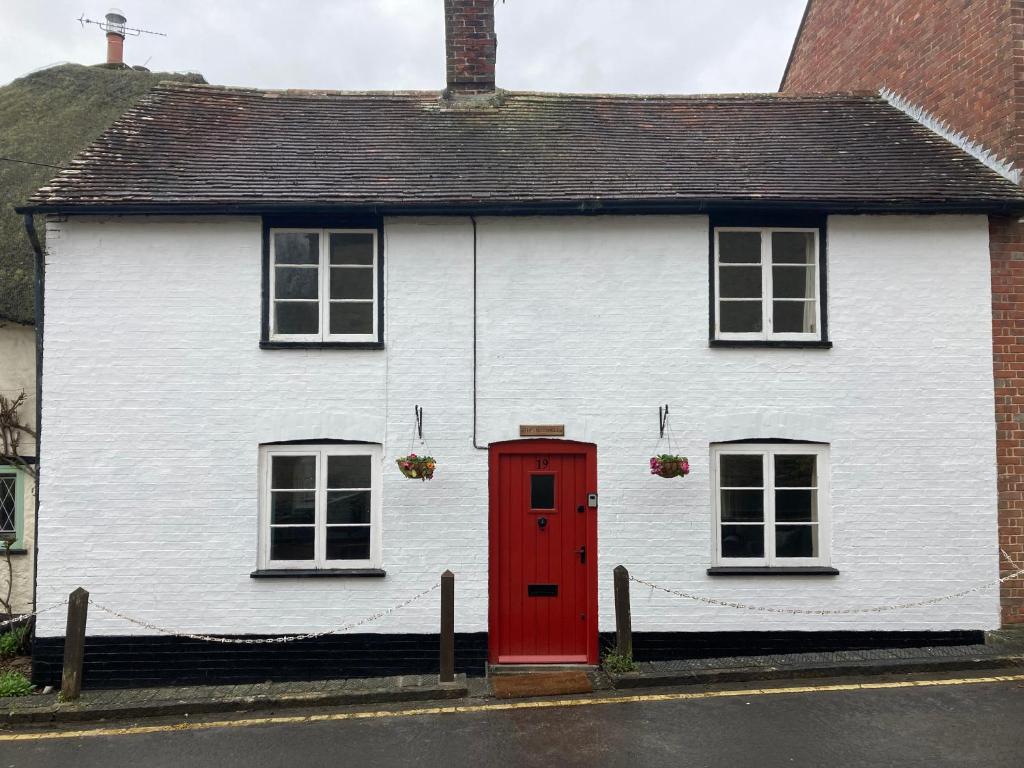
(121, 703)
(1003, 651)
(947, 720)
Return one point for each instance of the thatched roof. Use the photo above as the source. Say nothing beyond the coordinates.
(48, 117)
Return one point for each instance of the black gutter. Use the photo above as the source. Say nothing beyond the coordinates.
(39, 281)
(540, 207)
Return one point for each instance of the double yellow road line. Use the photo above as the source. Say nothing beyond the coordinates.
(454, 709)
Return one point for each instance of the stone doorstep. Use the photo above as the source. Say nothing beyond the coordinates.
(652, 675)
(125, 706)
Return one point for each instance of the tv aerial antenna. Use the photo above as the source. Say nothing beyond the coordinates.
(115, 22)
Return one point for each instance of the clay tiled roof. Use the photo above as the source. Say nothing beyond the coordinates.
(213, 148)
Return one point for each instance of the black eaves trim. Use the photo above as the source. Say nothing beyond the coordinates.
(748, 344)
(321, 345)
(760, 570)
(318, 573)
(574, 207)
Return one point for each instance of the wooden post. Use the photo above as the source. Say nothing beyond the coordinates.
(623, 621)
(74, 645)
(447, 627)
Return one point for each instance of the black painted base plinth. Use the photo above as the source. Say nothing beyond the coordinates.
(141, 660)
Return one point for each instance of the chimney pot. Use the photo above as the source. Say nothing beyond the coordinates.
(115, 37)
(470, 47)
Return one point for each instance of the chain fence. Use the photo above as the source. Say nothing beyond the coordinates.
(1019, 572)
(32, 614)
(834, 611)
(263, 640)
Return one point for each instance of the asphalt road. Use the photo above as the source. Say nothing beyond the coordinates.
(967, 724)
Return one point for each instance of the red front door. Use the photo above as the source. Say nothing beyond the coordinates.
(543, 552)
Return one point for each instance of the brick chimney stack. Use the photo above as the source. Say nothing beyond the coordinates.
(115, 37)
(470, 46)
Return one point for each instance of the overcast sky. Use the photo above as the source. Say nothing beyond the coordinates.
(655, 46)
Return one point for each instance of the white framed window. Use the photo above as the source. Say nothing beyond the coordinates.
(771, 504)
(12, 506)
(767, 284)
(320, 506)
(323, 285)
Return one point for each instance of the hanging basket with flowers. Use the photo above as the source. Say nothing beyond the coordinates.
(667, 464)
(670, 465)
(413, 465)
(417, 467)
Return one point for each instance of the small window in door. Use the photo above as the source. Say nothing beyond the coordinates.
(542, 491)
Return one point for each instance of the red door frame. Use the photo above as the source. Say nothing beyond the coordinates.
(571, 447)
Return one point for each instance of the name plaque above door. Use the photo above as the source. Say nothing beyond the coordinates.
(542, 430)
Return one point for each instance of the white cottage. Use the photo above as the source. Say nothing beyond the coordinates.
(249, 295)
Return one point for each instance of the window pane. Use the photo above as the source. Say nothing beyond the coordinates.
(346, 507)
(292, 508)
(351, 283)
(348, 543)
(352, 318)
(742, 541)
(348, 248)
(796, 541)
(542, 491)
(291, 543)
(348, 471)
(792, 471)
(739, 282)
(293, 472)
(742, 506)
(792, 247)
(296, 248)
(8, 519)
(740, 470)
(295, 283)
(796, 506)
(296, 317)
(793, 282)
(739, 247)
(793, 317)
(740, 317)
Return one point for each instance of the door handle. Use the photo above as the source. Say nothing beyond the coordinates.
(582, 552)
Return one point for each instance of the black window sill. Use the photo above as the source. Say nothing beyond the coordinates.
(760, 570)
(744, 344)
(18, 551)
(321, 345)
(317, 573)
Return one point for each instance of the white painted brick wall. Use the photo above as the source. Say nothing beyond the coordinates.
(156, 397)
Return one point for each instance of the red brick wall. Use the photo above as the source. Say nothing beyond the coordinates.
(953, 57)
(470, 45)
(1007, 248)
(1017, 32)
(962, 60)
